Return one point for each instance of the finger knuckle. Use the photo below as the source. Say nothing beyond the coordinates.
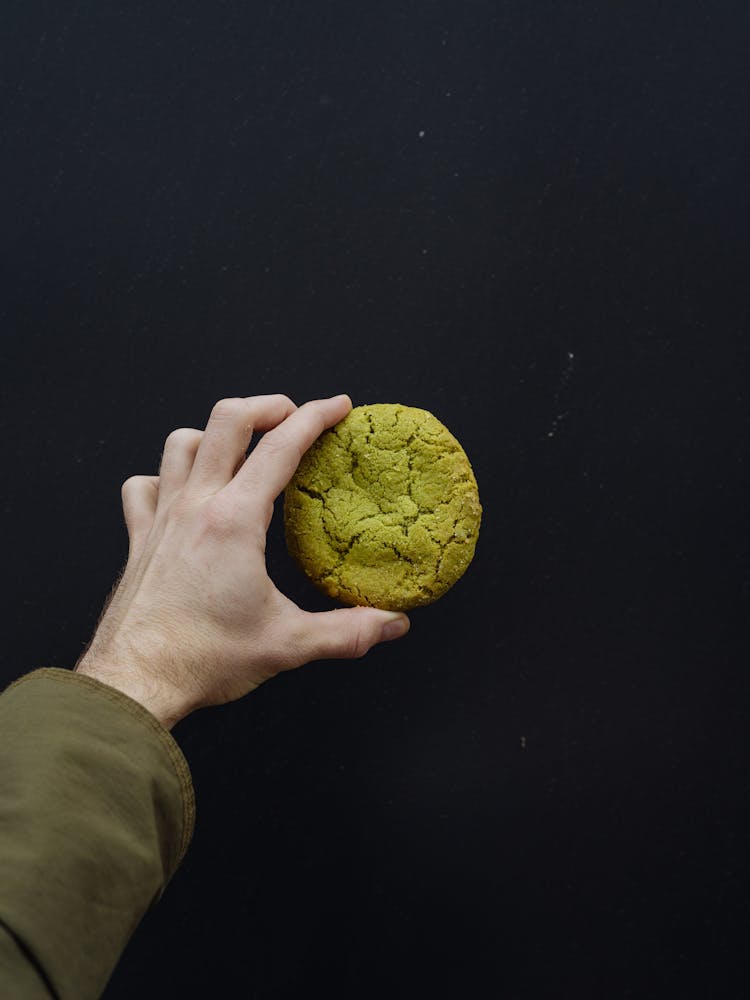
(278, 441)
(358, 642)
(130, 483)
(229, 408)
(181, 437)
(316, 414)
(218, 518)
(181, 508)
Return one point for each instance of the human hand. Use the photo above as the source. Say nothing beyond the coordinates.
(194, 619)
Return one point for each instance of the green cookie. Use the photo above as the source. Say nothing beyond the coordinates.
(384, 509)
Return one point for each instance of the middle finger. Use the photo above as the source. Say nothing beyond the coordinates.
(227, 437)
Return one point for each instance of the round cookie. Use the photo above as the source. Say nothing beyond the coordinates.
(383, 509)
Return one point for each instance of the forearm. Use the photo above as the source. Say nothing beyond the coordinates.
(96, 812)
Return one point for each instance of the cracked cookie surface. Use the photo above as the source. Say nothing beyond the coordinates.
(384, 509)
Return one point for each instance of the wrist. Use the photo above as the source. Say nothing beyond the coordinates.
(162, 703)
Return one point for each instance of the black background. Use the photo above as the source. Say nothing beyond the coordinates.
(531, 220)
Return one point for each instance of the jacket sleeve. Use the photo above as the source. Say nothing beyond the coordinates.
(96, 813)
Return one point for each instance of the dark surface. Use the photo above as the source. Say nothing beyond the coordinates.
(542, 791)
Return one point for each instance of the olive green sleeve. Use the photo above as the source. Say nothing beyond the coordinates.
(96, 813)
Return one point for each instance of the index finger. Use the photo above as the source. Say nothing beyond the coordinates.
(275, 458)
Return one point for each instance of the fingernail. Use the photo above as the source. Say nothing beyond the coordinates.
(395, 628)
(343, 395)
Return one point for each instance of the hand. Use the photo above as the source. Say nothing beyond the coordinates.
(194, 619)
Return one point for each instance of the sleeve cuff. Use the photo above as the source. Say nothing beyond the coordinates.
(137, 711)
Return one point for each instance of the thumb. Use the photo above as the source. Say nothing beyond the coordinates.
(349, 633)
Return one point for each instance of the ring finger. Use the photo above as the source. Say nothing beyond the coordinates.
(177, 459)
